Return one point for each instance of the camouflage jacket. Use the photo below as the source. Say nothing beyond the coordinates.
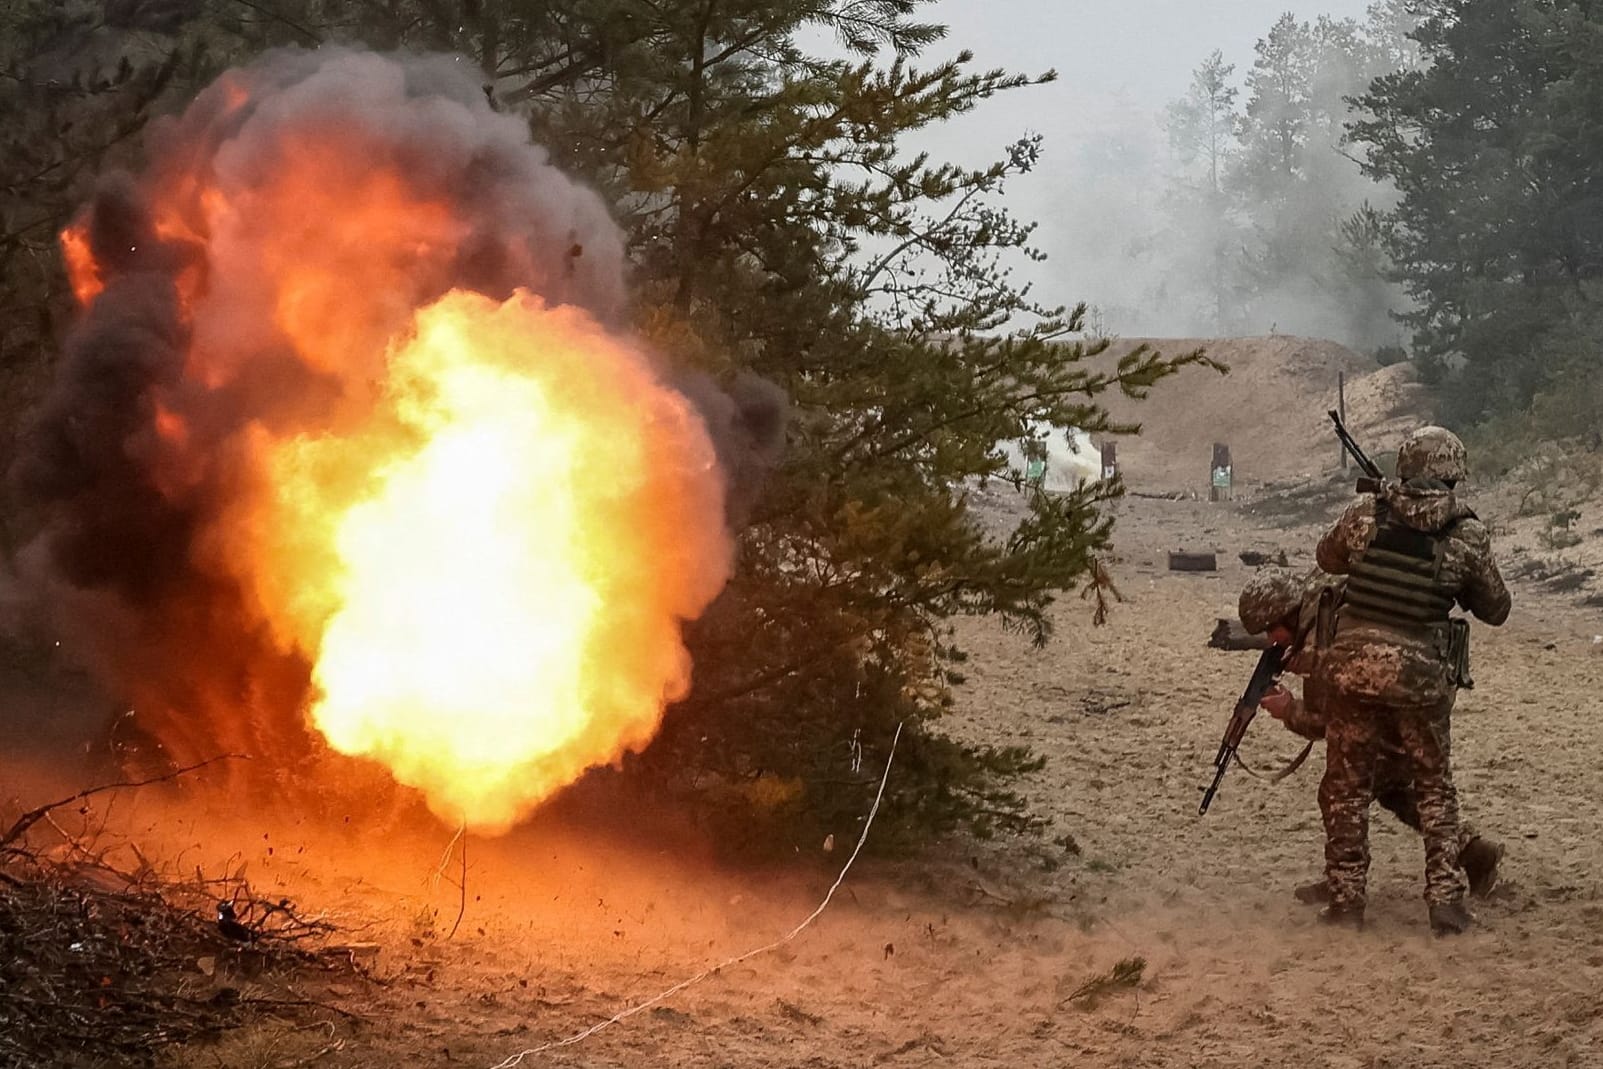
(1377, 663)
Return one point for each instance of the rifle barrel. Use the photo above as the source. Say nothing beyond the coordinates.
(1369, 467)
(1213, 788)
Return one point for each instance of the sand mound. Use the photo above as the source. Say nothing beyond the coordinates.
(1270, 409)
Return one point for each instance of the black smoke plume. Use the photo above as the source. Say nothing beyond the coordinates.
(121, 559)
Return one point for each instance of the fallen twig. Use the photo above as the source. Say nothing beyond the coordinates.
(33, 816)
(300, 1004)
(462, 884)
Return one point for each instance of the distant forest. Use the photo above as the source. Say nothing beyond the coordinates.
(1421, 184)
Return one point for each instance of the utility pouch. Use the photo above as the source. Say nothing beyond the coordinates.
(1325, 618)
(1458, 653)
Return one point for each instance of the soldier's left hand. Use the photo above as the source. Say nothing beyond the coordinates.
(1276, 701)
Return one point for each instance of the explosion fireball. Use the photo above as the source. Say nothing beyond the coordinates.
(495, 596)
(344, 439)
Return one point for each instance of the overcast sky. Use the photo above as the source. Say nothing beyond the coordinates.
(1142, 51)
(1119, 62)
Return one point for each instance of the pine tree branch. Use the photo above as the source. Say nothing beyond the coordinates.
(279, 17)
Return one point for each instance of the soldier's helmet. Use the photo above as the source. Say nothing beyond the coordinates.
(1432, 453)
(1272, 595)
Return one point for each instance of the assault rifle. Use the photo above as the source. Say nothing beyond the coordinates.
(1270, 664)
(1372, 477)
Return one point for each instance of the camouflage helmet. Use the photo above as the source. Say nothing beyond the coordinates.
(1432, 453)
(1269, 597)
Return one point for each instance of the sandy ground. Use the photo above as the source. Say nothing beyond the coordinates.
(972, 961)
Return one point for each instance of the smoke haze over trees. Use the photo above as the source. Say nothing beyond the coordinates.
(1422, 178)
(1240, 210)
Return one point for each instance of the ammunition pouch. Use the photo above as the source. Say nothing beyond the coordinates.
(1325, 618)
(1458, 654)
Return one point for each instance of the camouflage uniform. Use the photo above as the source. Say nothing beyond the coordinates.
(1279, 597)
(1394, 776)
(1412, 552)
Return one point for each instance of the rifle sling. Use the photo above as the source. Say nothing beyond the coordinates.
(1275, 777)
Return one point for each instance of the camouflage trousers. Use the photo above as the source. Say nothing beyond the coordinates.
(1394, 792)
(1363, 741)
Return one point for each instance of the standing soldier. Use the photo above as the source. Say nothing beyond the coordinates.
(1389, 677)
(1296, 612)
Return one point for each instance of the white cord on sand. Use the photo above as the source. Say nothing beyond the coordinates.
(577, 1037)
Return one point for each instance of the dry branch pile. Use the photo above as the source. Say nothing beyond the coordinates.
(91, 978)
(103, 968)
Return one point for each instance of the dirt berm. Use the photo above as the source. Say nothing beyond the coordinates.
(1269, 409)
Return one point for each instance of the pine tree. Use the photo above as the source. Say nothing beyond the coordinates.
(1202, 124)
(1389, 27)
(1203, 229)
(1496, 232)
(1278, 120)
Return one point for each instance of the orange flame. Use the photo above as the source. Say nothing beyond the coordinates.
(482, 522)
(82, 272)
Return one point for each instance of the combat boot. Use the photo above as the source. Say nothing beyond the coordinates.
(1450, 918)
(1340, 916)
(1312, 894)
(1479, 860)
